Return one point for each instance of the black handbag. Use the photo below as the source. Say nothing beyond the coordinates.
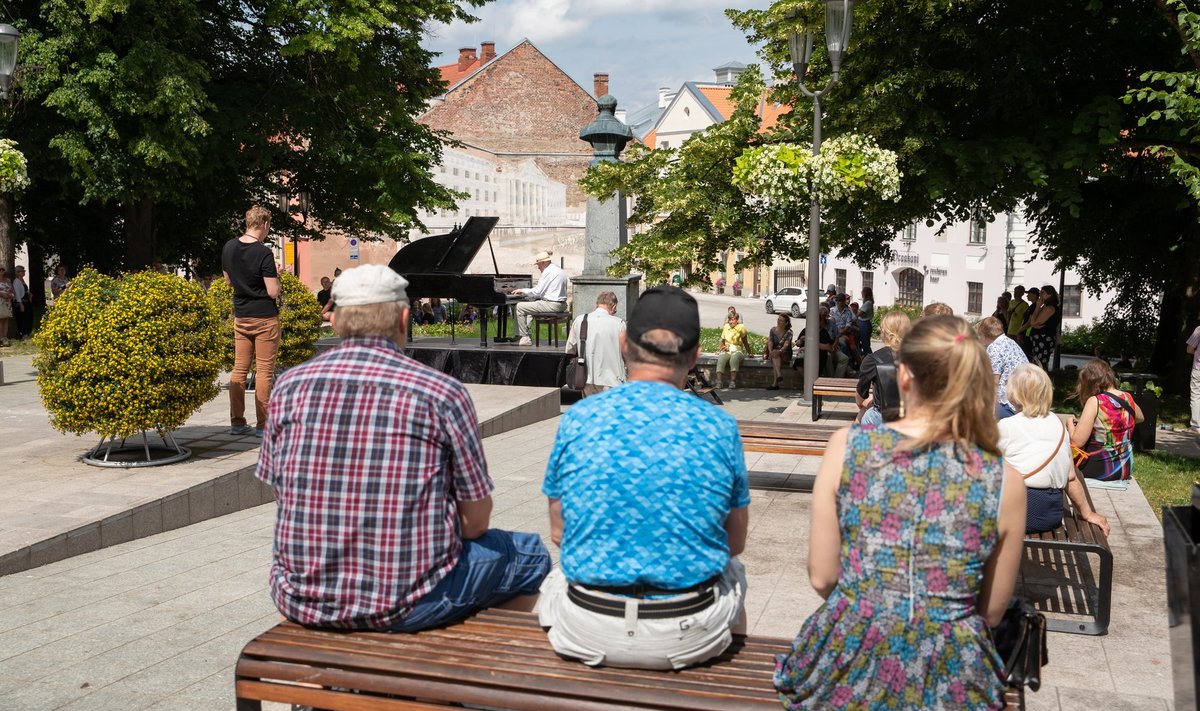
(1021, 641)
(577, 375)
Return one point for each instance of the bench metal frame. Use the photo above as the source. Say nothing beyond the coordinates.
(831, 387)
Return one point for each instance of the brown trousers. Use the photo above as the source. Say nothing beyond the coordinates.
(254, 339)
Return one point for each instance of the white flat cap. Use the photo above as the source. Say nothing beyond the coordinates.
(369, 284)
(542, 257)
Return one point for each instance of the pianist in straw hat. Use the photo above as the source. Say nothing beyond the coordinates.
(549, 296)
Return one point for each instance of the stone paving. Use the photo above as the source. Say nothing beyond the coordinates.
(158, 622)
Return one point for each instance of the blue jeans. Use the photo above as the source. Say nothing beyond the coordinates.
(1003, 411)
(872, 416)
(494, 568)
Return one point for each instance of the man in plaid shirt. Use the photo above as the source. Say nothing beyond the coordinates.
(380, 480)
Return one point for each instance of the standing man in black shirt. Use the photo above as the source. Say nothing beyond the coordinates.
(249, 268)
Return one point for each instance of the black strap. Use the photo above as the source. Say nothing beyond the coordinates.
(1121, 402)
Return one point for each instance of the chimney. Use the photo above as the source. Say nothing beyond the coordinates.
(487, 51)
(466, 55)
(664, 96)
(599, 84)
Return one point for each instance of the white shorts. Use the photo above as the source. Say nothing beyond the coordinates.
(667, 643)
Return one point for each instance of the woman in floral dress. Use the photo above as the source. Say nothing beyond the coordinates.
(917, 528)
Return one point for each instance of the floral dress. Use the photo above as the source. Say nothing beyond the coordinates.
(900, 631)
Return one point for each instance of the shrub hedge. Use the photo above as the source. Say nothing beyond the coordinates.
(299, 320)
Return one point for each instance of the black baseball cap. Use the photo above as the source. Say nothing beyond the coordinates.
(669, 308)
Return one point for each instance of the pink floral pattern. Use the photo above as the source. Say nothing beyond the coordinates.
(900, 630)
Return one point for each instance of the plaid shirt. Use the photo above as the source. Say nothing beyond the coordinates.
(367, 451)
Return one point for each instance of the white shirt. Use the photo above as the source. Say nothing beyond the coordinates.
(19, 289)
(603, 357)
(1028, 441)
(552, 286)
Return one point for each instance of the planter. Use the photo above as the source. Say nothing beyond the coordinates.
(1144, 433)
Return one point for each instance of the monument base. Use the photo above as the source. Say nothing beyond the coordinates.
(586, 288)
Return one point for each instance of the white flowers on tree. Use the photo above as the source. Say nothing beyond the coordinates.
(14, 172)
(848, 166)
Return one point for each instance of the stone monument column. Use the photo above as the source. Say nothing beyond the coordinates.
(606, 229)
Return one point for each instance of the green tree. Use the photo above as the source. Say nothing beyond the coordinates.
(997, 104)
(167, 118)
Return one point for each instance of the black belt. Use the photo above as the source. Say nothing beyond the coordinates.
(646, 609)
(639, 590)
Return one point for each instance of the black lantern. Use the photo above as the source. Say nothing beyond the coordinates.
(1010, 251)
(607, 134)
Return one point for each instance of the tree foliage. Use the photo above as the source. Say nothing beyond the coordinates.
(166, 118)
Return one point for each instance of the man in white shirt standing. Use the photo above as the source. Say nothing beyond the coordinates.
(549, 296)
(602, 347)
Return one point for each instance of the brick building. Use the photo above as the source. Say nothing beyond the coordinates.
(517, 116)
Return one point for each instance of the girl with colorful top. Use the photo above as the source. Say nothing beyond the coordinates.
(1104, 432)
(916, 536)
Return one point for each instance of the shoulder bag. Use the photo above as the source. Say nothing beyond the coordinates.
(577, 372)
(1021, 641)
(1062, 436)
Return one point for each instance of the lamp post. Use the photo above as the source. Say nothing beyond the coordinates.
(838, 17)
(285, 204)
(1010, 264)
(9, 37)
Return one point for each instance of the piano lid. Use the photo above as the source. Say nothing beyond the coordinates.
(450, 253)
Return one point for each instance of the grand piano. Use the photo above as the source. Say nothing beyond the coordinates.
(434, 267)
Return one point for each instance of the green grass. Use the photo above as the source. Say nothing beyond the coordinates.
(1165, 479)
(18, 348)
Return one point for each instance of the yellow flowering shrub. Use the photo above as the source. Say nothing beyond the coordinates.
(120, 355)
(299, 320)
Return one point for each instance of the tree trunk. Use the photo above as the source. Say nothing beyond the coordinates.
(1178, 315)
(8, 251)
(139, 234)
(37, 281)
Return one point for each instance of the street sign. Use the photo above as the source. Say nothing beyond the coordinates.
(354, 250)
(824, 260)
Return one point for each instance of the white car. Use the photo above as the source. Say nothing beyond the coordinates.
(789, 299)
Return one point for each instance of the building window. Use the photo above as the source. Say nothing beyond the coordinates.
(974, 297)
(868, 280)
(456, 171)
(978, 233)
(911, 285)
(1072, 300)
(910, 232)
(664, 144)
(839, 278)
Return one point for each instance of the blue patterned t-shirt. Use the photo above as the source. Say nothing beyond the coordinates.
(647, 475)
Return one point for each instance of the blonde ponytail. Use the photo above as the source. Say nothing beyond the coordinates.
(953, 377)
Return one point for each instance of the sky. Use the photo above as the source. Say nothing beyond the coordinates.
(641, 44)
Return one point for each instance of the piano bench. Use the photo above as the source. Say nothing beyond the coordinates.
(551, 321)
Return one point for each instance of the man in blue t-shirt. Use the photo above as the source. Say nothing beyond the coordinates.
(648, 501)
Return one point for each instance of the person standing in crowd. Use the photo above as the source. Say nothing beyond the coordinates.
(866, 315)
(602, 354)
(1104, 431)
(833, 361)
(382, 489)
(549, 296)
(60, 282)
(1025, 339)
(1043, 327)
(869, 394)
(6, 305)
(1193, 348)
(916, 537)
(22, 304)
(830, 296)
(779, 348)
(735, 344)
(1001, 312)
(249, 267)
(1016, 313)
(1005, 355)
(1036, 445)
(650, 519)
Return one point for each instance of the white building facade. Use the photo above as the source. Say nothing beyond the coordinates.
(516, 191)
(965, 266)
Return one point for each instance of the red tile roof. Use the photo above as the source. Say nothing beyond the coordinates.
(768, 110)
(452, 74)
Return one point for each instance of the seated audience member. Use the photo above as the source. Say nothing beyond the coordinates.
(833, 361)
(1035, 443)
(380, 481)
(1005, 355)
(915, 543)
(324, 293)
(779, 348)
(735, 346)
(867, 394)
(438, 309)
(648, 499)
(937, 308)
(1104, 431)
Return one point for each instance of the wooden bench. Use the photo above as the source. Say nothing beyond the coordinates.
(1062, 548)
(831, 387)
(497, 659)
(784, 438)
